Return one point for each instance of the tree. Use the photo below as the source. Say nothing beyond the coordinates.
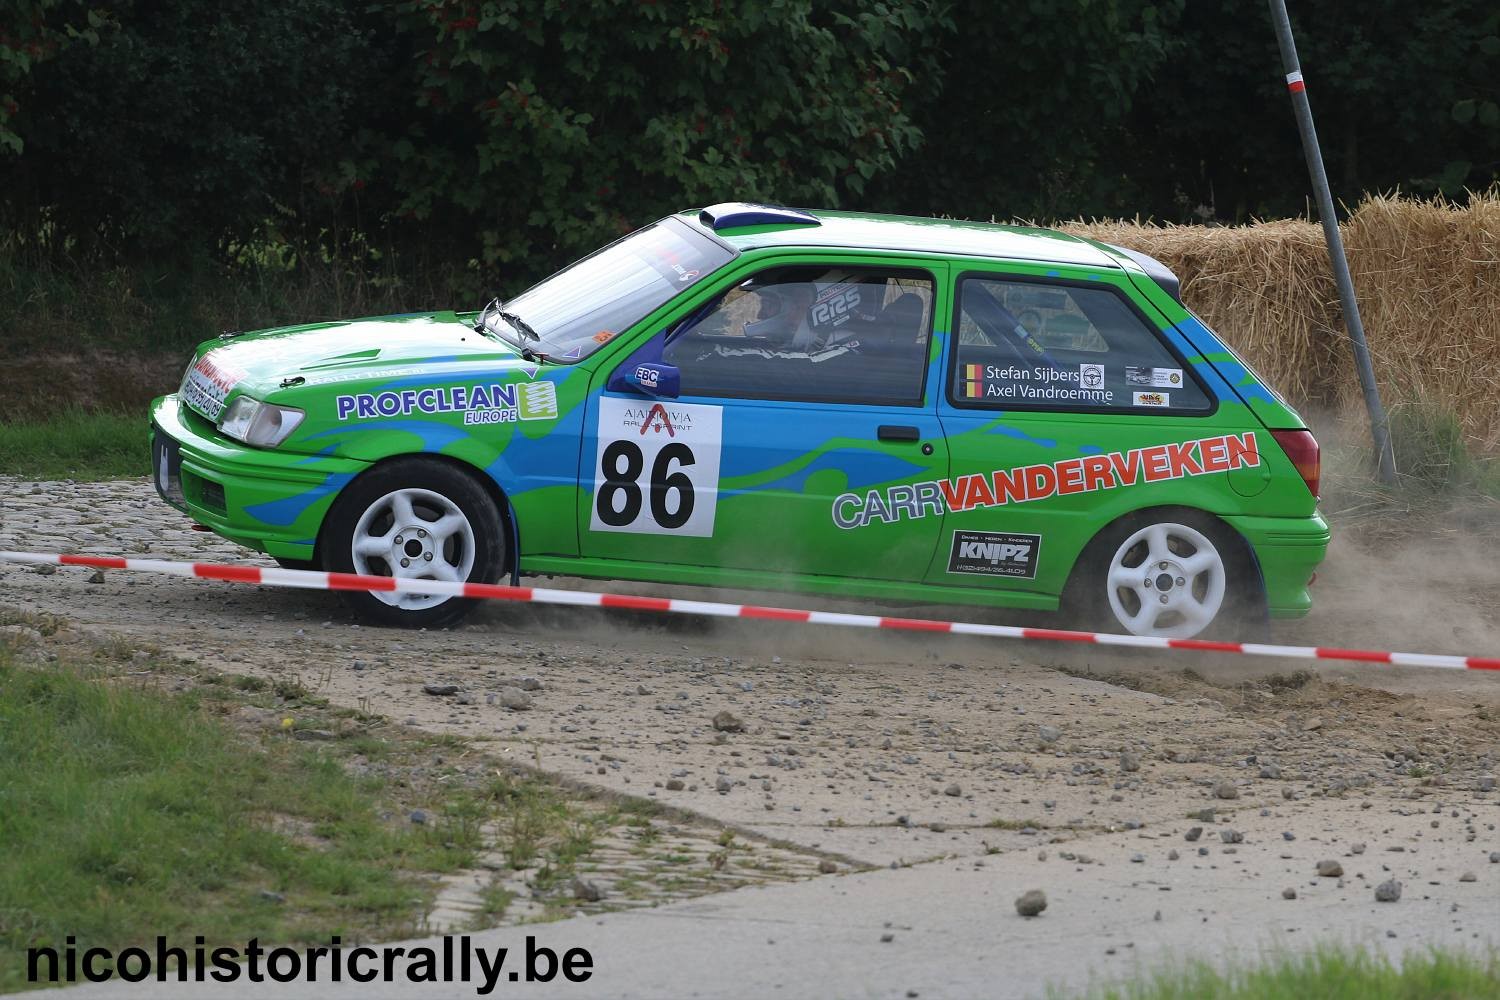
(542, 129)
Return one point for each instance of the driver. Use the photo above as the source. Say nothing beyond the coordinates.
(781, 312)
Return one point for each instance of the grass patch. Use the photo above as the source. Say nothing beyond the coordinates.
(76, 444)
(1328, 974)
(128, 812)
(1432, 455)
(1001, 823)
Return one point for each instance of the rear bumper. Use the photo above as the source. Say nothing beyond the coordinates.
(1289, 550)
(264, 499)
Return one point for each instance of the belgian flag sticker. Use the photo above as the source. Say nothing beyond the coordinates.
(973, 381)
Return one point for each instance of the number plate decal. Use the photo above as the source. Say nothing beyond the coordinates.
(656, 471)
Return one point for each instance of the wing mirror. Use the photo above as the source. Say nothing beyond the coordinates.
(649, 378)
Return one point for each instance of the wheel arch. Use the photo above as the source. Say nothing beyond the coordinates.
(495, 491)
(1142, 515)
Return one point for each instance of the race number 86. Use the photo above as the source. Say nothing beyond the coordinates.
(620, 496)
(657, 470)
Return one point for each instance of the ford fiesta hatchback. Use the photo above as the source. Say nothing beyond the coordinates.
(751, 396)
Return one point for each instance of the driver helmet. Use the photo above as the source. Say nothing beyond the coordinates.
(781, 310)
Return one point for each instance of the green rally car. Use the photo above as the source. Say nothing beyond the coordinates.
(752, 396)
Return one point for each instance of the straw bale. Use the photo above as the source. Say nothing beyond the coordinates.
(1427, 276)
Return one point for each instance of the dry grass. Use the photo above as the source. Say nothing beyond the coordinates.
(1427, 274)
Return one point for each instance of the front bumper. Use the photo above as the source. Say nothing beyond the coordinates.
(265, 499)
(1289, 550)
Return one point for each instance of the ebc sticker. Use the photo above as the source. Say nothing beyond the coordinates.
(656, 471)
(994, 553)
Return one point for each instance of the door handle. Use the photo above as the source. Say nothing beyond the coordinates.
(898, 432)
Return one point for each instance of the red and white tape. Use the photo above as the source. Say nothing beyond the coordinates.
(314, 580)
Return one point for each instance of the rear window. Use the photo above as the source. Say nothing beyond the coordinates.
(1033, 345)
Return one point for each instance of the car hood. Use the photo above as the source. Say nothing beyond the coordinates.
(269, 363)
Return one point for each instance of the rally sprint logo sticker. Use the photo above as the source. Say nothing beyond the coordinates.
(1026, 483)
(656, 470)
(494, 403)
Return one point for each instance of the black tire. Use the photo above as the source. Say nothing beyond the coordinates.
(451, 484)
(1242, 613)
(296, 563)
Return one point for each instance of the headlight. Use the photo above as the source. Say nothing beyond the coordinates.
(264, 425)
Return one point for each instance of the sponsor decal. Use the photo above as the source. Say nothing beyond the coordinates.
(207, 383)
(604, 336)
(361, 374)
(835, 305)
(973, 381)
(491, 403)
(1151, 398)
(537, 401)
(647, 377)
(993, 553)
(658, 420)
(1157, 378)
(656, 469)
(1026, 483)
(1035, 383)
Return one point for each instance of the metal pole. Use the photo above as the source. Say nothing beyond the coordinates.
(1379, 427)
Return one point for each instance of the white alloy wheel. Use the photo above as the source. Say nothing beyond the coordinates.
(413, 533)
(1166, 580)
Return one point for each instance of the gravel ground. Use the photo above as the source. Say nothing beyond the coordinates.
(890, 750)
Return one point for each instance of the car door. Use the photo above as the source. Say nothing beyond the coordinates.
(804, 390)
(1066, 404)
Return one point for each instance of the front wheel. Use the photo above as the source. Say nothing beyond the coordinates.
(414, 518)
(1175, 574)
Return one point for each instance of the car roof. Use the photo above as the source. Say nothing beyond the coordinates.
(856, 230)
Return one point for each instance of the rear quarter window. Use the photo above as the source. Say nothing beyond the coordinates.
(1026, 344)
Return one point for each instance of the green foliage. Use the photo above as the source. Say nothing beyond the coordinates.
(499, 139)
(192, 124)
(32, 32)
(542, 129)
(1034, 108)
(1383, 79)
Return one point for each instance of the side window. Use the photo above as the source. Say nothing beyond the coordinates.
(820, 334)
(1035, 345)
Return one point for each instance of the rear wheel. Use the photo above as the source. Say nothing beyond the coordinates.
(1170, 573)
(414, 518)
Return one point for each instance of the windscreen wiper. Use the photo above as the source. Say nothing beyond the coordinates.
(520, 324)
(481, 325)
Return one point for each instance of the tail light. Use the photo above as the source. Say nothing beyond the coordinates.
(1302, 448)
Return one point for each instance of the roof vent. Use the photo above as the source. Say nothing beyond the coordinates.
(736, 214)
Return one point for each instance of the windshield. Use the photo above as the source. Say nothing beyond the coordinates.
(582, 307)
